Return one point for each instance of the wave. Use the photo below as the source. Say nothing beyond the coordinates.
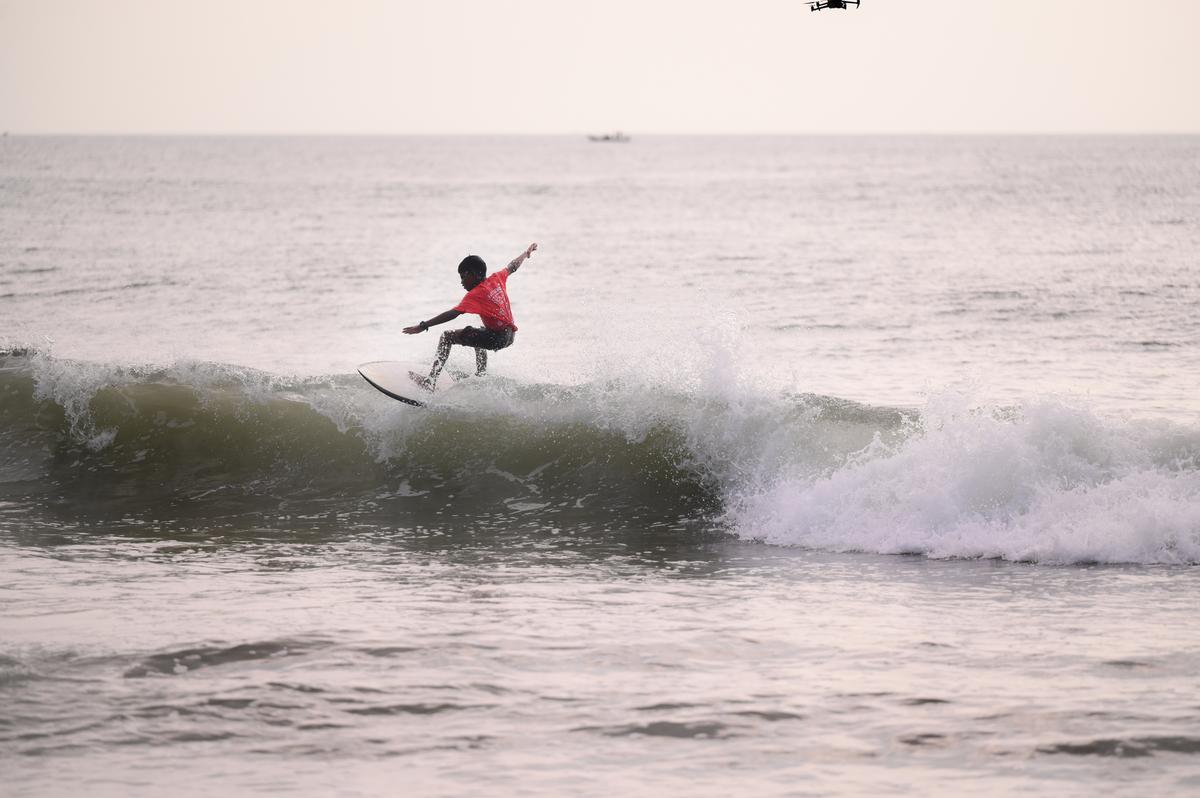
(207, 444)
(1046, 482)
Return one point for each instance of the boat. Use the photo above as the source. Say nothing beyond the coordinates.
(617, 137)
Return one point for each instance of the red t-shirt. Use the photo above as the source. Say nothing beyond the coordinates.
(490, 300)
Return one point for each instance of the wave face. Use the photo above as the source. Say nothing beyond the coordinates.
(199, 445)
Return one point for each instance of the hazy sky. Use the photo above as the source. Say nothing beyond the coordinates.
(569, 66)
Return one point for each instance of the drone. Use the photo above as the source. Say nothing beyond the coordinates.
(817, 5)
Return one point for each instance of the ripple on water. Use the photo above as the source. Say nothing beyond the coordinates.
(171, 663)
(415, 709)
(665, 728)
(1126, 749)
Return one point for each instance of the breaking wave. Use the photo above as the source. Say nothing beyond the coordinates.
(210, 445)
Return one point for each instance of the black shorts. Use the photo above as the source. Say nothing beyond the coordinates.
(483, 338)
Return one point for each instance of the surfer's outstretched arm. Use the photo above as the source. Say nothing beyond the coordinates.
(440, 318)
(517, 261)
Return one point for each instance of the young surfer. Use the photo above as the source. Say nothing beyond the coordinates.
(487, 297)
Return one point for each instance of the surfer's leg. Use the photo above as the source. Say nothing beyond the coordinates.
(448, 339)
(480, 339)
(484, 341)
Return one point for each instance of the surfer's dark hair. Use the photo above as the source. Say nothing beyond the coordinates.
(473, 264)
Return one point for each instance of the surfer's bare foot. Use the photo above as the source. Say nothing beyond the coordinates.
(423, 382)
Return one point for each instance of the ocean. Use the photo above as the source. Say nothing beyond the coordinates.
(820, 466)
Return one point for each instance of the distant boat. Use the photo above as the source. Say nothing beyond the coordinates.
(615, 137)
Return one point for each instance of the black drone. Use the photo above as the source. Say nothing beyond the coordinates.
(819, 4)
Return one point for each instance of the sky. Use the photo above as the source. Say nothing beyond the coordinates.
(573, 66)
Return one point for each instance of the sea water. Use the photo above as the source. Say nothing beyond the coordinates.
(856, 466)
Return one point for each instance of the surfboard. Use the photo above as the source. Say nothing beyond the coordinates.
(400, 380)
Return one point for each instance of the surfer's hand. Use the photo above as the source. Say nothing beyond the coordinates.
(517, 261)
(416, 328)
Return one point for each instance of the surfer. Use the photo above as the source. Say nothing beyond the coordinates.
(487, 297)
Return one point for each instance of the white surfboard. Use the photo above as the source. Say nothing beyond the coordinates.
(400, 380)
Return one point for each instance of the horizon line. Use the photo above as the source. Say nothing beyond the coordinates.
(629, 133)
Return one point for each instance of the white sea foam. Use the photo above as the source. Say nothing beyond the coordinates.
(1048, 482)
(72, 385)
